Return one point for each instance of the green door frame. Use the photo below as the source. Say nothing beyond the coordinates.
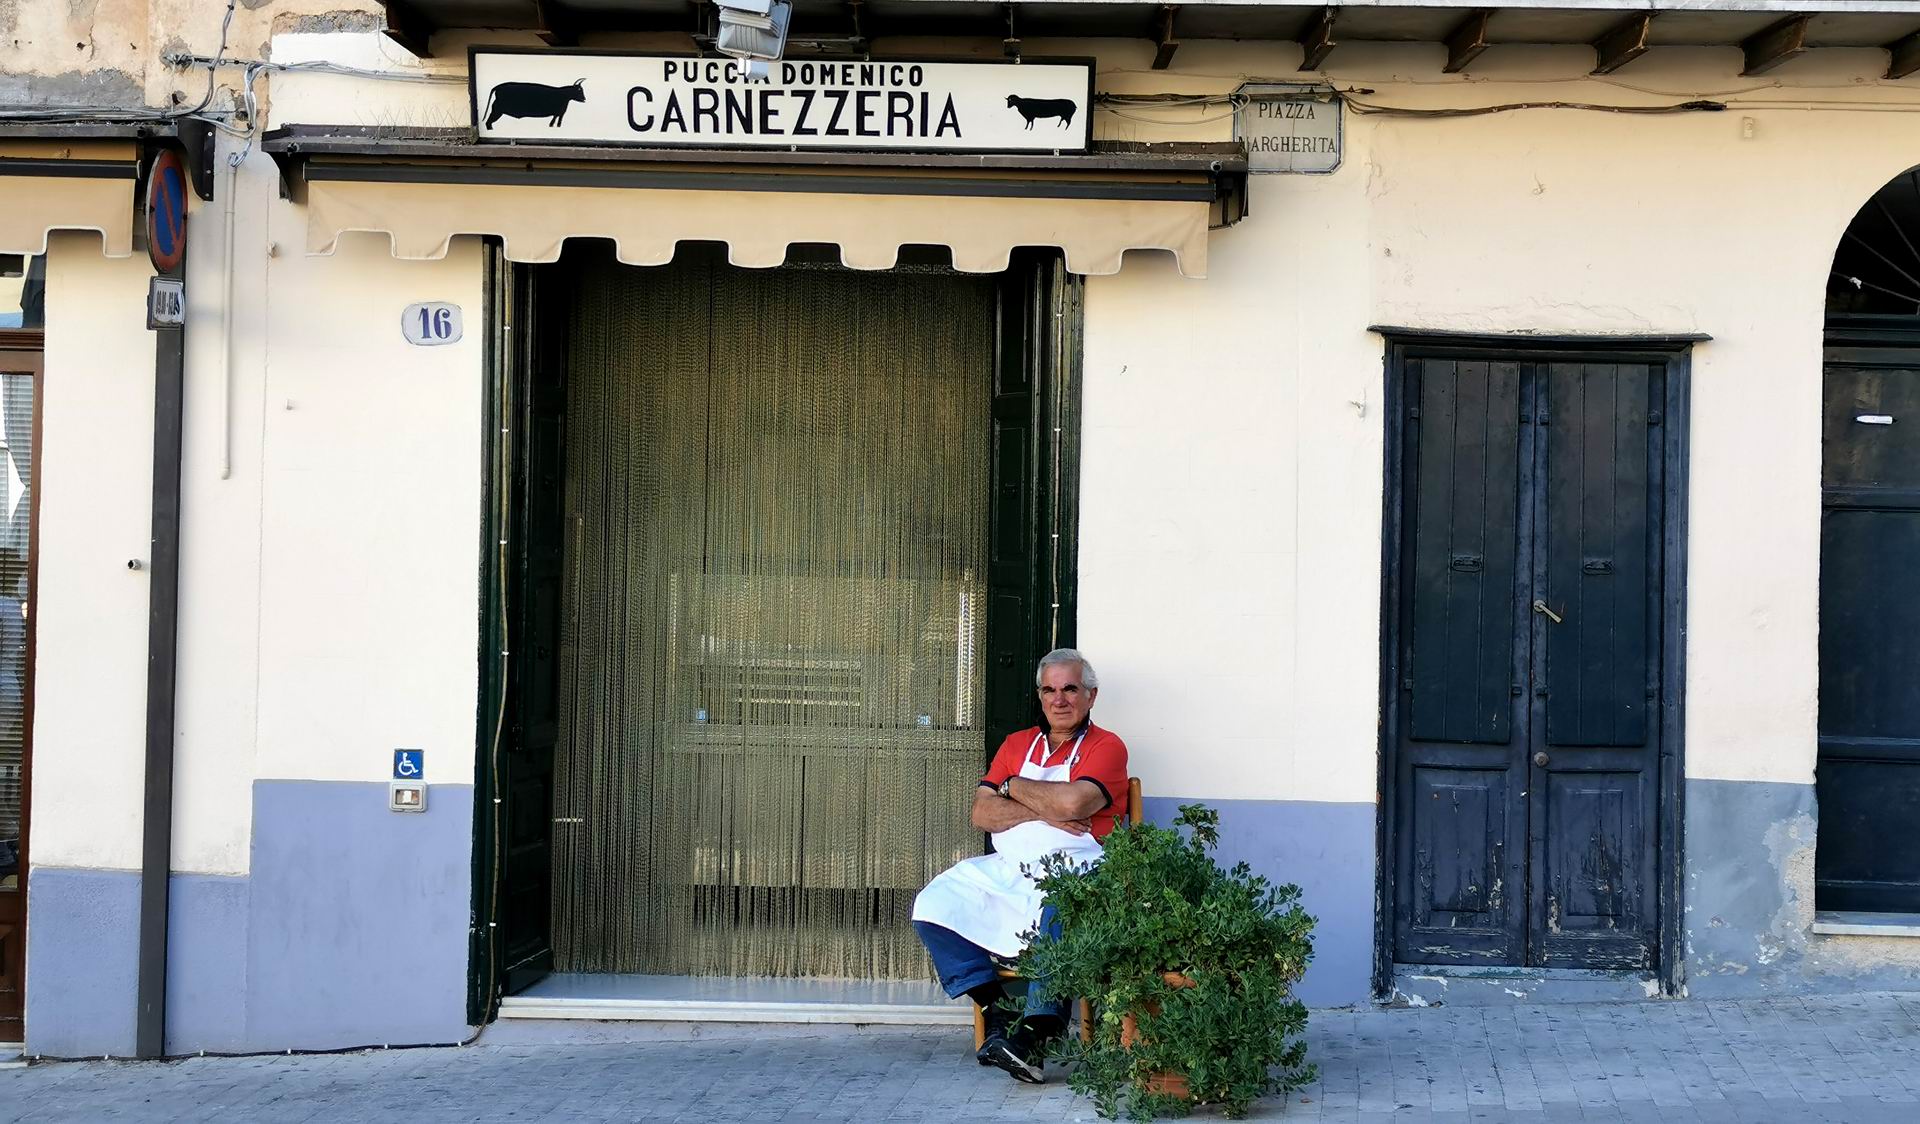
(1037, 358)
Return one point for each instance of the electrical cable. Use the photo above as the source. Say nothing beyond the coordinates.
(220, 53)
(1374, 108)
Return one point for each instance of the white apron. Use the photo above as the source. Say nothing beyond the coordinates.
(988, 900)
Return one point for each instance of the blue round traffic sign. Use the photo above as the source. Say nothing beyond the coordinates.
(166, 211)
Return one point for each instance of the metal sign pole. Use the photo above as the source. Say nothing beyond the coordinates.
(166, 308)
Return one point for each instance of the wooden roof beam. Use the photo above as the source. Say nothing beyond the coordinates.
(1318, 41)
(1904, 56)
(1767, 49)
(1164, 42)
(408, 28)
(1624, 43)
(556, 27)
(1465, 42)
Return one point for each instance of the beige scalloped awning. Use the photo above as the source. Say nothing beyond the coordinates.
(48, 185)
(1093, 208)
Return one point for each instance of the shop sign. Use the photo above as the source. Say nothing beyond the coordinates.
(592, 97)
(1289, 129)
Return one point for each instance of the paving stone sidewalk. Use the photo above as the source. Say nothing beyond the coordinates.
(1843, 1059)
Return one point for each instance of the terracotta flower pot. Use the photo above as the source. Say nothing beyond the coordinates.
(1165, 1082)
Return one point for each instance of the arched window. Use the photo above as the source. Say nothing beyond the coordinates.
(1876, 267)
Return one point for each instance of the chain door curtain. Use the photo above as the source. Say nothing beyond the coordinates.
(771, 686)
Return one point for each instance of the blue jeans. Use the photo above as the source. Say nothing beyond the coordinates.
(964, 965)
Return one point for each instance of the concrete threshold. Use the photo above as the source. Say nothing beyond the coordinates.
(720, 999)
(1436, 985)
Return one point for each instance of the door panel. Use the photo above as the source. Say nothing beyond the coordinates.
(1594, 753)
(1598, 657)
(1596, 907)
(1865, 454)
(1463, 553)
(1868, 780)
(1459, 820)
(1526, 780)
(1462, 846)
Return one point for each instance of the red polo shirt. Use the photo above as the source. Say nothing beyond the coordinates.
(1103, 760)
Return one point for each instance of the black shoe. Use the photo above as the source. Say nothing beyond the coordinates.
(997, 1020)
(996, 1046)
(1000, 1051)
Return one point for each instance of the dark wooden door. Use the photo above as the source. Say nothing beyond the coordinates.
(1029, 537)
(1868, 781)
(533, 682)
(1525, 637)
(20, 368)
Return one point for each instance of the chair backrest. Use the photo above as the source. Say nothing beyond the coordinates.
(1134, 814)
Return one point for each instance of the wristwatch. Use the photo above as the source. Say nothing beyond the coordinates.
(1006, 789)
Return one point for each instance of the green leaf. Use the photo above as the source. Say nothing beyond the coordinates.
(1158, 902)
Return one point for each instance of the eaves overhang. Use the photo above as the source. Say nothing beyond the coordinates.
(1768, 32)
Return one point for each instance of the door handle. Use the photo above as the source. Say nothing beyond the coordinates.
(1540, 759)
(1540, 606)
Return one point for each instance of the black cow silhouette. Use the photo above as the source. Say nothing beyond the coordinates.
(1035, 108)
(531, 99)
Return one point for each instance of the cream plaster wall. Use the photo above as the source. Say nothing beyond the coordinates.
(1232, 472)
(329, 579)
(370, 529)
(96, 472)
(1230, 559)
(216, 696)
(1231, 485)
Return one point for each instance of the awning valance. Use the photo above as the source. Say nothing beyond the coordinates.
(1093, 208)
(63, 184)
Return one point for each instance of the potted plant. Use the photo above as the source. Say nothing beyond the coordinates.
(1190, 969)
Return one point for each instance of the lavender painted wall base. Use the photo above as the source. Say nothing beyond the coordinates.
(1327, 850)
(83, 963)
(350, 931)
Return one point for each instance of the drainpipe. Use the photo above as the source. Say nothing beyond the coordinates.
(163, 619)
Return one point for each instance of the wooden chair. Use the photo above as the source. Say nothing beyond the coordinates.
(1083, 1011)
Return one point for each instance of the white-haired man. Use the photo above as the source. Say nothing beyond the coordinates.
(1055, 788)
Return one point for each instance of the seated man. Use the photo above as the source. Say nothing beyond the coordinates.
(1053, 789)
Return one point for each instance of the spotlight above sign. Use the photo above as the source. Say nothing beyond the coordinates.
(598, 97)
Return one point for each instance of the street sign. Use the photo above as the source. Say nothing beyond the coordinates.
(409, 764)
(166, 211)
(1289, 128)
(166, 303)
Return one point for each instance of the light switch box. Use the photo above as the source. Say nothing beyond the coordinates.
(407, 796)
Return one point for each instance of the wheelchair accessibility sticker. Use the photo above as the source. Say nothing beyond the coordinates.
(409, 764)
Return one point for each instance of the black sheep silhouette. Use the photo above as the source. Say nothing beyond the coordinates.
(1035, 108)
(531, 99)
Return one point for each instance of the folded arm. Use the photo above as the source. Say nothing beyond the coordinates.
(1060, 800)
(1060, 803)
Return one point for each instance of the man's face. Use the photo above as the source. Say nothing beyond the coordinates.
(1063, 698)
